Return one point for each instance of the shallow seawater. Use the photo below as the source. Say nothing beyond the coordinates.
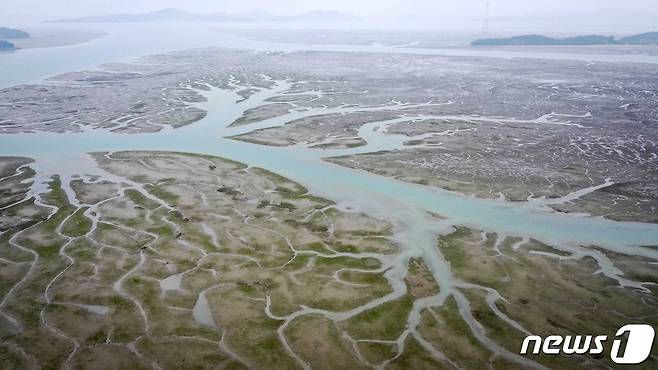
(94, 309)
(201, 311)
(172, 282)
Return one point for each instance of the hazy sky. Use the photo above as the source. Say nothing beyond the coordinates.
(601, 12)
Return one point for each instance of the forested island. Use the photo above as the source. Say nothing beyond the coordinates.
(649, 38)
(12, 33)
(6, 45)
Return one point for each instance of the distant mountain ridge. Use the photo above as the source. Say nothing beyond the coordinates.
(177, 15)
(12, 33)
(649, 38)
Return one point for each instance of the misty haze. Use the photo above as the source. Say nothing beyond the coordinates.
(292, 184)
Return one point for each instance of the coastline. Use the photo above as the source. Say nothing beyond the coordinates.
(44, 38)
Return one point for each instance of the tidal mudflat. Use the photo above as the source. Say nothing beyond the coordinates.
(210, 209)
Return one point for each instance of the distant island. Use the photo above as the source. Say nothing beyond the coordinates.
(649, 38)
(177, 15)
(6, 45)
(12, 33)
